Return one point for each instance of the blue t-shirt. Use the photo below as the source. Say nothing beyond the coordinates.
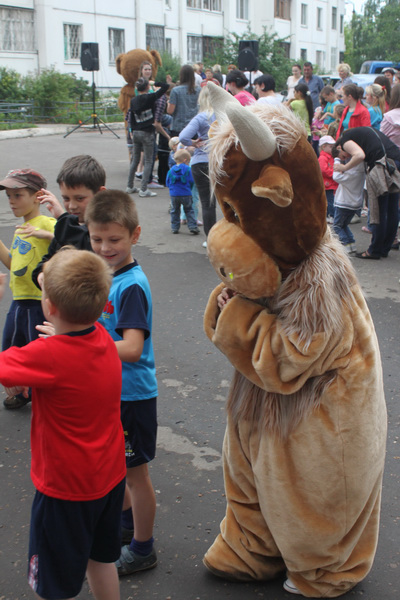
(129, 306)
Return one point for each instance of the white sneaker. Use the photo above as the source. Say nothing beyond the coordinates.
(155, 185)
(146, 194)
(204, 244)
(329, 220)
(130, 190)
(355, 219)
(289, 586)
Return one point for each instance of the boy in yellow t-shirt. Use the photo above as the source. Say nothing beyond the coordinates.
(30, 242)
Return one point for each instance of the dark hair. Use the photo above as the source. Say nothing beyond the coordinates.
(335, 152)
(395, 99)
(267, 80)
(186, 77)
(385, 83)
(238, 77)
(339, 109)
(297, 65)
(82, 170)
(353, 90)
(305, 92)
(142, 84)
(327, 89)
(112, 206)
(308, 64)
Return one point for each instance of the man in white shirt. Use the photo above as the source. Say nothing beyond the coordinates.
(265, 88)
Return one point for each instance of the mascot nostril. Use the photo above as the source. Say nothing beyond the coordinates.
(307, 386)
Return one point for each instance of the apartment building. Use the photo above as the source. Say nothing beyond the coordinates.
(37, 34)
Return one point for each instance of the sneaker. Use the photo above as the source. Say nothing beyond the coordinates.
(289, 586)
(14, 402)
(364, 212)
(195, 231)
(175, 231)
(147, 194)
(355, 219)
(154, 185)
(199, 222)
(130, 190)
(138, 175)
(329, 220)
(183, 221)
(204, 244)
(350, 249)
(129, 562)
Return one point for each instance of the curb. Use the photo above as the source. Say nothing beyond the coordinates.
(52, 130)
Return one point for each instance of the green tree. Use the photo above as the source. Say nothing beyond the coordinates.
(272, 57)
(375, 35)
(10, 86)
(171, 65)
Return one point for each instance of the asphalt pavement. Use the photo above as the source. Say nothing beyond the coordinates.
(193, 382)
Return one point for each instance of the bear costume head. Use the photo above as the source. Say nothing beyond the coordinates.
(128, 65)
(267, 180)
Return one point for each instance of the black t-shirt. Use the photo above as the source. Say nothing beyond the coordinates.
(142, 109)
(370, 141)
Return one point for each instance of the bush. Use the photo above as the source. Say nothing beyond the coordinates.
(10, 86)
(171, 65)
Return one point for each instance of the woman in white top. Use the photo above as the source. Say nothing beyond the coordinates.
(293, 80)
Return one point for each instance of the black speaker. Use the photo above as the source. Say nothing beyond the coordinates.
(248, 55)
(90, 56)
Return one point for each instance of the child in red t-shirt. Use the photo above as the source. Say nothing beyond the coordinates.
(77, 441)
(326, 162)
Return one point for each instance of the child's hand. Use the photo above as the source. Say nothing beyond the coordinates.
(46, 329)
(52, 204)
(29, 230)
(3, 280)
(224, 297)
(18, 389)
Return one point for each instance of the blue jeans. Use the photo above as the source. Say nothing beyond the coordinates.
(330, 209)
(186, 202)
(143, 141)
(341, 222)
(384, 233)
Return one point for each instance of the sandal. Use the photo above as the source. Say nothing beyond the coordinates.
(365, 229)
(366, 255)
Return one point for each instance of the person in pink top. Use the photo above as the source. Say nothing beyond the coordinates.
(236, 81)
(390, 125)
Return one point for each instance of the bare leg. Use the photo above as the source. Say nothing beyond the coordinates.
(143, 501)
(103, 580)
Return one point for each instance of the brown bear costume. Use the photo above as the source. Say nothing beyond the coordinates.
(128, 65)
(305, 441)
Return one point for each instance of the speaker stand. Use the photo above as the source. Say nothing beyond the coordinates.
(97, 122)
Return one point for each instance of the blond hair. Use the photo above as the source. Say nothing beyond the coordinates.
(181, 156)
(112, 206)
(77, 282)
(173, 142)
(378, 94)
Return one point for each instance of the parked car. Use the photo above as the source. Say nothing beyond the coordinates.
(363, 80)
(377, 66)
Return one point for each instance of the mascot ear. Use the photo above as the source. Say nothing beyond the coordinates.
(274, 183)
(118, 62)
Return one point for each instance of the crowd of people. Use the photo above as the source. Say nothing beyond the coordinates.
(69, 292)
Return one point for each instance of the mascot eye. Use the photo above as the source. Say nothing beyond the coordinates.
(233, 212)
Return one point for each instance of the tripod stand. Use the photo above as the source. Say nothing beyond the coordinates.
(96, 120)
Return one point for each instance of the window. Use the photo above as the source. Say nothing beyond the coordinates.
(214, 5)
(319, 18)
(286, 48)
(334, 60)
(242, 9)
(194, 48)
(168, 45)
(210, 47)
(334, 17)
(155, 37)
(341, 23)
(282, 9)
(303, 19)
(320, 59)
(303, 53)
(116, 43)
(17, 31)
(72, 41)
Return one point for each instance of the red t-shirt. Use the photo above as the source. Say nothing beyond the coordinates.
(77, 441)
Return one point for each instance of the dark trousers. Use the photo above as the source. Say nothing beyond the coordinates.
(202, 181)
(383, 234)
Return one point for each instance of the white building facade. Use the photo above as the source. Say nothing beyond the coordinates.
(38, 34)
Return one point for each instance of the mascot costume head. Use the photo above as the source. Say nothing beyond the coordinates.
(305, 441)
(128, 65)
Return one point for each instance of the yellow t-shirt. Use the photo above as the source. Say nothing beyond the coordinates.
(26, 253)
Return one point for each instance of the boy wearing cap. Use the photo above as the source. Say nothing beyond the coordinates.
(31, 240)
(325, 160)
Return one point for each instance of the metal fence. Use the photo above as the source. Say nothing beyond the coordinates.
(20, 114)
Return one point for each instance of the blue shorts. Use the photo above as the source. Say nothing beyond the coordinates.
(139, 421)
(65, 534)
(21, 320)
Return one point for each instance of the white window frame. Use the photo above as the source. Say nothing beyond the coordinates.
(72, 48)
(334, 18)
(154, 35)
(319, 18)
(304, 15)
(211, 5)
(242, 10)
(17, 29)
(116, 43)
(194, 49)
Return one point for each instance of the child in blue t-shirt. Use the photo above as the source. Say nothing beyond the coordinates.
(113, 224)
(180, 182)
